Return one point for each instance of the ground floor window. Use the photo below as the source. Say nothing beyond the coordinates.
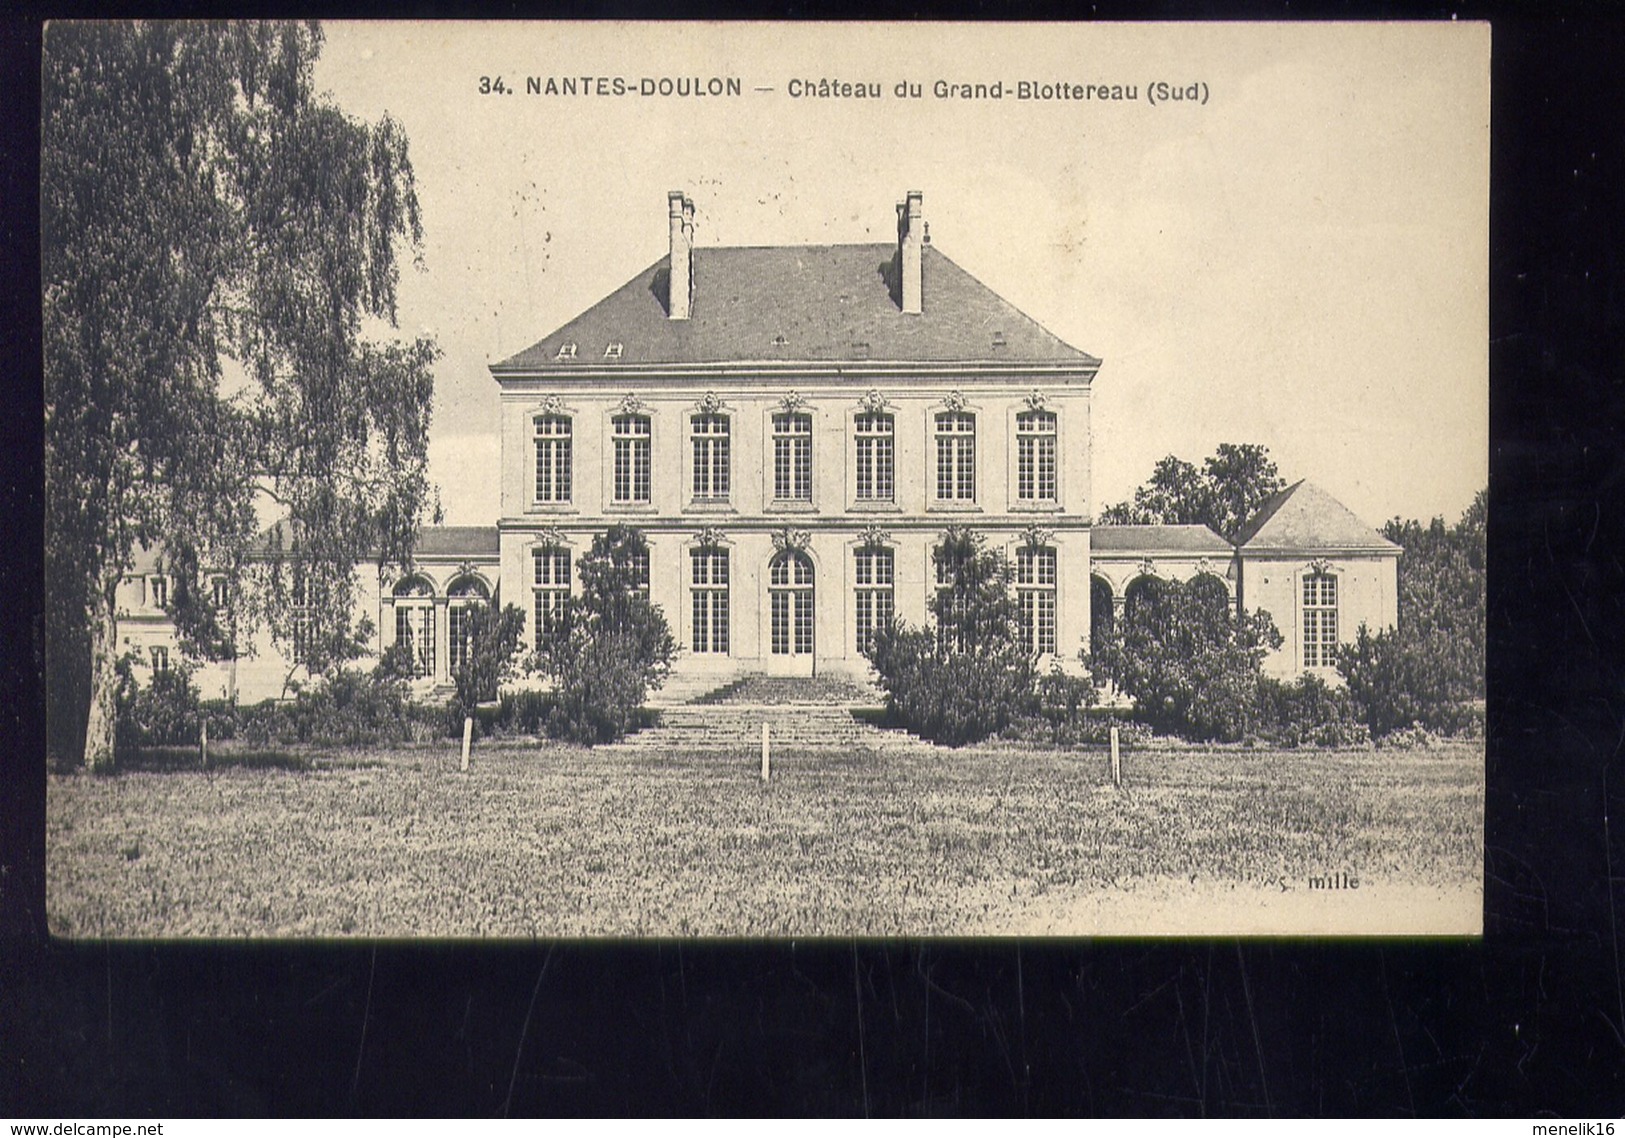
(874, 579)
(160, 658)
(710, 595)
(414, 627)
(464, 595)
(551, 582)
(790, 590)
(1319, 620)
(1035, 588)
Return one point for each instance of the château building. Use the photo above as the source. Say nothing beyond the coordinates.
(793, 428)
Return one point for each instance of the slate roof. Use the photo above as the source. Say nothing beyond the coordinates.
(808, 303)
(1194, 539)
(1305, 517)
(433, 541)
(457, 541)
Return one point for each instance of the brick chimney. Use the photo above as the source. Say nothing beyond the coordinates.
(680, 285)
(910, 236)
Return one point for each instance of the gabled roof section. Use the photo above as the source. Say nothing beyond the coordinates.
(1193, 539)
(799, 303)
(1305, 517)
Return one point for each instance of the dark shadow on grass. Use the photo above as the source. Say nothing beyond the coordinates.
(176, 759)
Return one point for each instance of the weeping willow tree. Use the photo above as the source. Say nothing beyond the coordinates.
(221, 250)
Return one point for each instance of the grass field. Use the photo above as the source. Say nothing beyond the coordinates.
(553, 841)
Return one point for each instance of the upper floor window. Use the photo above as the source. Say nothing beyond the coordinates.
(792, 457)
(874, 579)
(875, 432)
(219, 593)
(1035, 456)
(632, 461)
(552, 458)
(710, 433)
(956, 456)
(551, 578)
(160, 658)
(1035, 589)
(158, 591)
(1319, 620)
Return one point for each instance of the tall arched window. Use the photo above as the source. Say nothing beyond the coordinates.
(1101, 616)
(463, 594)
(1319, 620)
(414, 623)
(790, 587)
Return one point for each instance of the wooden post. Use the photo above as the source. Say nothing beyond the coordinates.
(1117, 766)
(205, 742)
(764, 751)
(468, 737)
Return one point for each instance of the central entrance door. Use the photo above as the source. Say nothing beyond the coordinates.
(790, 594)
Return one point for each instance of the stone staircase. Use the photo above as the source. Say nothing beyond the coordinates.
(802, 714)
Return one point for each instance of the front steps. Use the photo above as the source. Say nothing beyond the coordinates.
(801, 713)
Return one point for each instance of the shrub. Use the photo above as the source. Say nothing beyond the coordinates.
(1191, 666)
(1398, 680)
(348, 707)
(1090, 728)
(968, 677)
(1063, 705)
(1309, 713)
(165, 713)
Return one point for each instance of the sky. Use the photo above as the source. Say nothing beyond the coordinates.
(1296, 257)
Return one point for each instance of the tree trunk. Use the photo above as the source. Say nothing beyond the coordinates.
(101, 729)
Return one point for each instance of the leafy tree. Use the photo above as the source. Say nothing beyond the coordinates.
(1223, 495)
(216, 239)
(1191, 666)
(490, 654)
(969, 675)
(608, 645)
(1428, 670)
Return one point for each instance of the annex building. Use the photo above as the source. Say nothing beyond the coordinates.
(793, 428)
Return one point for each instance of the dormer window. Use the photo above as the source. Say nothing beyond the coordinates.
(158, 591)
(613, 351)
(566, 351)
(779, 341)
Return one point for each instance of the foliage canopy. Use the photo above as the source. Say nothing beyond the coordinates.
(218, 241)
(608, 645)
(1223, 494)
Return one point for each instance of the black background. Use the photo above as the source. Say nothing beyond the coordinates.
(1530, 1020)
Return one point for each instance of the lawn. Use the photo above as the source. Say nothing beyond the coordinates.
(555, 841)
